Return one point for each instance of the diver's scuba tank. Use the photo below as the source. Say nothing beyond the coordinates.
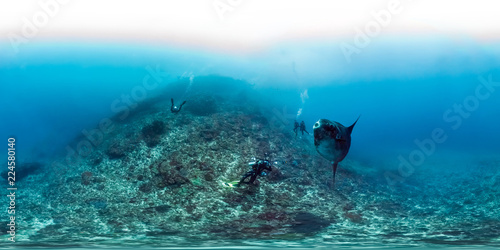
(253, 161)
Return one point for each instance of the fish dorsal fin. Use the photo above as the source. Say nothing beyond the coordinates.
(349, 129)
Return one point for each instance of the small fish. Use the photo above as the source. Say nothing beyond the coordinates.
(332, 141)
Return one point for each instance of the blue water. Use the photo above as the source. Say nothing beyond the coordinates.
(404, 90)
(51, 91)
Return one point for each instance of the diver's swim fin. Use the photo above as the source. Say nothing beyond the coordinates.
(231, 184)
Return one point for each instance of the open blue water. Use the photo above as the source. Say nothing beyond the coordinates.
(430, 103)
(52, 91)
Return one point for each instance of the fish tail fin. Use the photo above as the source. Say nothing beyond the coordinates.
(335, 164)
(349, 129)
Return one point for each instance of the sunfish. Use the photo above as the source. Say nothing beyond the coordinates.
(332, 141)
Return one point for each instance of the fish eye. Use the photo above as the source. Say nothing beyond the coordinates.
(316, 124)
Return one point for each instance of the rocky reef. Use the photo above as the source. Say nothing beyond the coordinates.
(156, 180)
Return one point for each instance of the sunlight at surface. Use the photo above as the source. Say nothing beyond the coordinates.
(244, 25)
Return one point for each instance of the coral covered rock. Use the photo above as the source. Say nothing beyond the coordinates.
(86, 178)
(152, 133)
(118, 149)
(169, 190)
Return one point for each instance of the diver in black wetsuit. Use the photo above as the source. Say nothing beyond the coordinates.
(258, 169)
(296, 128)
(175, 109)
(303, 128)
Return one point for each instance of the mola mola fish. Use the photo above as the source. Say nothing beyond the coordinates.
(332, 141)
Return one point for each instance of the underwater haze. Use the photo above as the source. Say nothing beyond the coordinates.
(103, 159)
(54, 91)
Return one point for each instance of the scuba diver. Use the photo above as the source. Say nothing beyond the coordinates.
(303, 128)
(175, 109)
(258, 169)
(296, 128)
